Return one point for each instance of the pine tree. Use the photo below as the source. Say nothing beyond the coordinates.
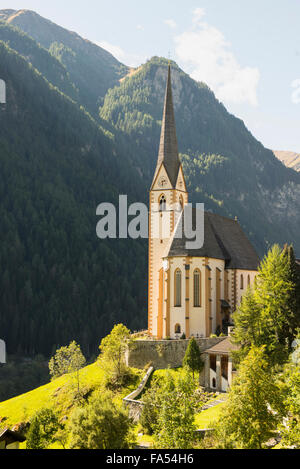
(266, 314)
(294, 271)
(254, 406)
(192, 359)
(290, 430)
(175, 427)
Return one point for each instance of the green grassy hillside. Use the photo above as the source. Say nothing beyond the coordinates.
(57, 395)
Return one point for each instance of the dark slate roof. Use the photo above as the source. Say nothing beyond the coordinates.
(11, 436)
(224, 347)
(168, 148)
(223, 239)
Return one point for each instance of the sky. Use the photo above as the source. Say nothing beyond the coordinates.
(248, 52)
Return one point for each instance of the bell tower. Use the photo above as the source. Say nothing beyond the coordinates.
(168, 195)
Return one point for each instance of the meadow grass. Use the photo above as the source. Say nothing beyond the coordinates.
(59, 394)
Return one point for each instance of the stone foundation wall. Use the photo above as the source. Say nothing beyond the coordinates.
(163, 354)
(135, 409)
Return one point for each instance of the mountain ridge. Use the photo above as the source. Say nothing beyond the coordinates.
(92, 69)
(290, 159)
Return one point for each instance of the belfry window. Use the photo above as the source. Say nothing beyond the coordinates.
(197, 288)
(162, 204)
(178, 288)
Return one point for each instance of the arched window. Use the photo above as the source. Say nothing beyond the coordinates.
(242, 282)
(177, 299)
(181, 203)
(162, 204)
(214, 383)
(197, 288)
(249, 281)
(177, 329)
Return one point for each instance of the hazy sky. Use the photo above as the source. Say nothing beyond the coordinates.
(248, 52)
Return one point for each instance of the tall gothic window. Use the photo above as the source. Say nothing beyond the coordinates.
(197, 288)
(162, 204)
(249, 281)
(178, 288)
(242, 282)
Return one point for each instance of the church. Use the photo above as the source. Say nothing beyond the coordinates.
(191, 292)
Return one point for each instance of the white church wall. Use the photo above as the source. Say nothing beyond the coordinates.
(242, 291)
(177, 313)
(215, 264)
(197, 314)
(213, 380)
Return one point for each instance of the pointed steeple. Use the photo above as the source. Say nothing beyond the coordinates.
(168, 149)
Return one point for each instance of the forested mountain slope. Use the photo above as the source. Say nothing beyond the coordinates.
(92, 69)
(58, 281)
(226, 167)
(39, 57)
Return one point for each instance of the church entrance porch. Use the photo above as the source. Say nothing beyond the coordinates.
(219, 366)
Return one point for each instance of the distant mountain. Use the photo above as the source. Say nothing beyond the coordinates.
(289, 158)
(92, 69)
(226, 167)
(51, 68)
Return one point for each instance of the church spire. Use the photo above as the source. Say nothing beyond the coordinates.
(168, 149)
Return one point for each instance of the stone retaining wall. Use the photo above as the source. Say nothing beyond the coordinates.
(136, 407)
(163, 354)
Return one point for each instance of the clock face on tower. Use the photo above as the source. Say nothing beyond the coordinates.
(162, 182)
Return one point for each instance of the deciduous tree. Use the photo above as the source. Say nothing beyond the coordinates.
(113, 348)
(101, 425)
(67, 360)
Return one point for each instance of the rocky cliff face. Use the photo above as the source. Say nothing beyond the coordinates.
(289, 158)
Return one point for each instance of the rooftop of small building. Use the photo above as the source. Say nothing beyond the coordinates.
(224, 347)
(11, 436)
